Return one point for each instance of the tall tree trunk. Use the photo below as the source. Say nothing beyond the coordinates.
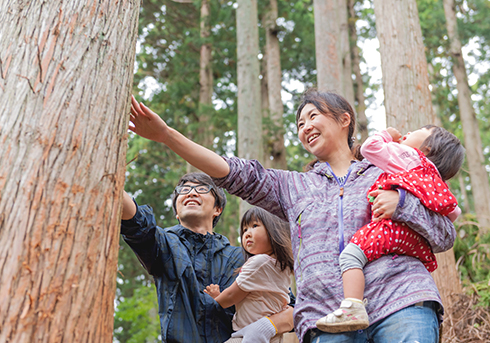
(446, 277)
(474, 152)
(345, 52)
(274, 132)
(404, 66)
(66, 75)
(205, 130)
(333, 60)
(362, 121)
(248, 70)
(205, 80)
(265, 107)
(328, 58)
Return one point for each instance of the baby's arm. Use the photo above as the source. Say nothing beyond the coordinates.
(382, 150)
(229, 297)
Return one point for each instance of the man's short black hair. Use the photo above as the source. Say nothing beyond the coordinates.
(201, 178)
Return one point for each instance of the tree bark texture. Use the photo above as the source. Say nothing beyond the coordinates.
(204, 135)
(362, 122)
(205, 80)
(474, 152)
(274, 131)
(446, 277)
(66, 71)
(248, 70)
(332, 50)
(404, 66)
(264, 99)
(345, 52)
(328, 57)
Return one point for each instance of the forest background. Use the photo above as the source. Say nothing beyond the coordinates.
(167, 78)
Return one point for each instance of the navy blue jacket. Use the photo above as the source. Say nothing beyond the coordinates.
(183, 263)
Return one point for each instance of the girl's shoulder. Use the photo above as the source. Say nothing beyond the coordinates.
(259, 259)
(261, 266)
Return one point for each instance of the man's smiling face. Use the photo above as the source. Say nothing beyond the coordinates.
(194, 206)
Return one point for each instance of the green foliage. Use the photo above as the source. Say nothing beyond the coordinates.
(472, 252)
(140, 312)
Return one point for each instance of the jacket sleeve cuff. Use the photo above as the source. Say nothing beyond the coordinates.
(402, 193)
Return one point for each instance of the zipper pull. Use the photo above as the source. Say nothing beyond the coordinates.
(341, 193)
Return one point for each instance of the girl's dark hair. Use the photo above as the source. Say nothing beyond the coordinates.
(277, 231)
(444, 150)
(202, 179)
(333, 105)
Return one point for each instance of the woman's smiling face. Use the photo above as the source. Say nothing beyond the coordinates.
(319, 132)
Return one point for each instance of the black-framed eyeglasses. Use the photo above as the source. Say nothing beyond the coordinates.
(186, 189)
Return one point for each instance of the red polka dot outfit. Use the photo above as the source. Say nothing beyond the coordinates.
(391, 237)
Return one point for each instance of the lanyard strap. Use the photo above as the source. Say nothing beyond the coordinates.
(340, 211)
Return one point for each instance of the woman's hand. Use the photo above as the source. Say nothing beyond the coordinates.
(146, 123)
(384, 204)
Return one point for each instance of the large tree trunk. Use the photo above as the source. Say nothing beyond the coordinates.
(345, 52)
(474, 152)
(66, 75)
(265, 107)
(274, 131)
(446, 276)
(333, 60)
(447, 281)
(362, 122)
(205, 130)
(248, 70)
(404, 66)
(328, 59)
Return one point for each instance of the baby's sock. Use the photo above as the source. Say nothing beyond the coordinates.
(355, 300)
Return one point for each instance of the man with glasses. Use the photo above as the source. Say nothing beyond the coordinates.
(186, 258)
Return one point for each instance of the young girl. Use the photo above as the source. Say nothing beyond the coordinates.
(407, 167)
(262, 287)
